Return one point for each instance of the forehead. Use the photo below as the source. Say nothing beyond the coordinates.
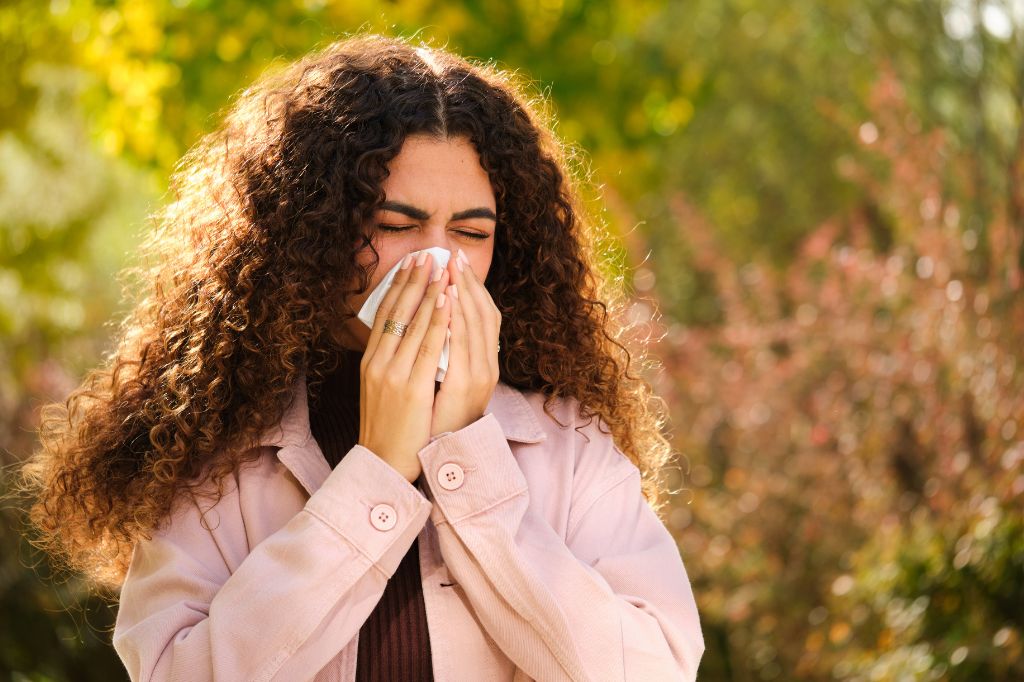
(428, 171)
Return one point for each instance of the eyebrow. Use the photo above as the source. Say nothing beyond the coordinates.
(420, 214)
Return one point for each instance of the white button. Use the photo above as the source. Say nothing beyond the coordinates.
(383, 517)
(450, 476)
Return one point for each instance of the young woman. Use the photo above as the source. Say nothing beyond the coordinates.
(280, 492)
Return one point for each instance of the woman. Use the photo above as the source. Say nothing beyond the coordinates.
(281, 492)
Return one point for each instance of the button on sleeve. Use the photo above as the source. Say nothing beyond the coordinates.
(450, 476)
(383, 517)
(470, 470)
(393, 510)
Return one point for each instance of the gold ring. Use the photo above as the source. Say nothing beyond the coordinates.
(394, 327)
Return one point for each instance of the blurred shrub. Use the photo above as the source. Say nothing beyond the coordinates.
(854, 428)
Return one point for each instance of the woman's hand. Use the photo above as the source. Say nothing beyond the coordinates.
(472, 352)
(396, 393)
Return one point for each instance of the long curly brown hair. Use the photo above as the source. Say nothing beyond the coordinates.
(242, 281)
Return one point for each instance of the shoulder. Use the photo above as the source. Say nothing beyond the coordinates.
(576, 466)
(585, 443)
(227, 517)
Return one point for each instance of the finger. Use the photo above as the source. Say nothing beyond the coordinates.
(388, 303)
(412, 348)
(458, 349)
(480, 334)
(482, 298)
(425, 368)
(407, 296)
(467, 303)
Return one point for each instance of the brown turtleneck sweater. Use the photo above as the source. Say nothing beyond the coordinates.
(393, 642)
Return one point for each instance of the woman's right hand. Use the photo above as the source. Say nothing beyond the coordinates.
(396, 394)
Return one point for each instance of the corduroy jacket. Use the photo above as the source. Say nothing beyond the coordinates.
(540, 559)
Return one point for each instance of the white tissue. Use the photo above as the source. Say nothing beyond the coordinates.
(368, 312)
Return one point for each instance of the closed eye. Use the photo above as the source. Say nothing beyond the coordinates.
(403, 228)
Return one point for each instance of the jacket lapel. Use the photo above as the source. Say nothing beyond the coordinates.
(300, 453)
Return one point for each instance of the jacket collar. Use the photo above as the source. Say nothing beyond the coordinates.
(302, 455)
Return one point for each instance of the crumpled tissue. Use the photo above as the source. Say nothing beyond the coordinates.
(368, 312)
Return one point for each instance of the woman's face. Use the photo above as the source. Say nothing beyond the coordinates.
(437, 194)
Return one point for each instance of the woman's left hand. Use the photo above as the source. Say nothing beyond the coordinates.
(472, 353)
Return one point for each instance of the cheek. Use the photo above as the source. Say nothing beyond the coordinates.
(482, 264)
(357, 299)
(372, 283)
(387, 257)
(364, 257)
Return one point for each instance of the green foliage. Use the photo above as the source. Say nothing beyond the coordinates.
(823, 199)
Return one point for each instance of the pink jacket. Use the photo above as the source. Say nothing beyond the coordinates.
(561, 570)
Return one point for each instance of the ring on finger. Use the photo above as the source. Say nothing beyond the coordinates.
(395, 327)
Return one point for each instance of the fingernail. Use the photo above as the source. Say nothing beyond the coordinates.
(440, 301)
(406, 261)
(462, 256)
(455, 291)
(437, 274)
(422, 258)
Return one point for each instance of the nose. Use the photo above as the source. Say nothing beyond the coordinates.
(437, 238)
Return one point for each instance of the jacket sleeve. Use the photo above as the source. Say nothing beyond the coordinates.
(611, 602)
(289, 605)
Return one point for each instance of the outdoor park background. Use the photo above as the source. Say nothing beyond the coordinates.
(817, 206)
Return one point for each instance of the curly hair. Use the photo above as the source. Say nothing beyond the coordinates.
(242, 284)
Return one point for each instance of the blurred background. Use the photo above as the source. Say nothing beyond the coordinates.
(817, 209)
